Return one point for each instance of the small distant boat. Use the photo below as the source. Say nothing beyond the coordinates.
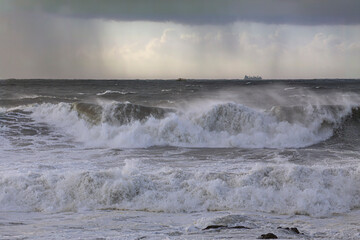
(252, 77)
(181, 79)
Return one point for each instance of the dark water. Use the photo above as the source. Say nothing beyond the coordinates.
(166, 159)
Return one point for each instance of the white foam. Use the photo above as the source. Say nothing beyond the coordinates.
(286, 189)
(5, 143)
(289, 88)
(113, 92)
(221, 125)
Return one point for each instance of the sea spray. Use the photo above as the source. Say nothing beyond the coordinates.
(218, 125)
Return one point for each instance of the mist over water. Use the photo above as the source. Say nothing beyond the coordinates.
(259, 154)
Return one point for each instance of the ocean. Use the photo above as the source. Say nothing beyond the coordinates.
(190, 159)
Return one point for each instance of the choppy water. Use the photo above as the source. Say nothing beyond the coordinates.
(179, 159)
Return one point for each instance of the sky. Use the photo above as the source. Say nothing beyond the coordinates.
(168, 39)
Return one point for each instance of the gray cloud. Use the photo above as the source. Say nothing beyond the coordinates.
(65, 39)
(199, 12)
(40, 46)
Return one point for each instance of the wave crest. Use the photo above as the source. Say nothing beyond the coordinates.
(222, 125)
(233, 118)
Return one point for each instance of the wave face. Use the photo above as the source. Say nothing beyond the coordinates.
(286, 189)
(117, 113)
(126, 125)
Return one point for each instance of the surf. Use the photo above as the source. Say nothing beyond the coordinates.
(282, 189)
(229, 124)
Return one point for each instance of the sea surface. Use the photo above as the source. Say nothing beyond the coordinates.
(191, 159)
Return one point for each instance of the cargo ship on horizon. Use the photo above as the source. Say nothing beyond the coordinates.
(252, 77)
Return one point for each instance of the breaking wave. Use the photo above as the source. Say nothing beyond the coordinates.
(126, 125)
(285, 189)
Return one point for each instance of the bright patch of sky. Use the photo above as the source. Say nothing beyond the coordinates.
(168, 50)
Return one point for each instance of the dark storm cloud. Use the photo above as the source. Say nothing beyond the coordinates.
(300, 12)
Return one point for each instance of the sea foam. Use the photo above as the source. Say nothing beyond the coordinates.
(217, 125)
(284, 189)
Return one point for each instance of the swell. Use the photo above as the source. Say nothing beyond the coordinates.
(284, 189)
(35, 99)
(111, 92)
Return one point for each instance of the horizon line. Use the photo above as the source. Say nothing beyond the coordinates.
(178, 79)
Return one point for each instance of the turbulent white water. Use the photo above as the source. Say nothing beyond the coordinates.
(179, 160)
(216, 125)
(287, 189)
